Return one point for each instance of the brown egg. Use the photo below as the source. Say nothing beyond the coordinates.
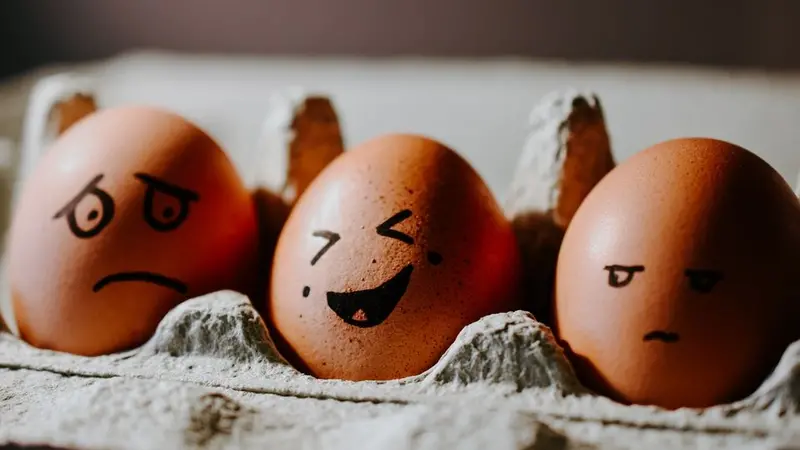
(392, 250)
(130, 212)
(678, 279)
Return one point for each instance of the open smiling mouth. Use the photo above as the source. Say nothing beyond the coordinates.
(663, 336)
(370, 307)
(146, 277)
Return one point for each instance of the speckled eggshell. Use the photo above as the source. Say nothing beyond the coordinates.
(678, 279)
(131, 211)
(392, 250)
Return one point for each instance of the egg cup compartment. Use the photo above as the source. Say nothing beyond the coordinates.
(211, 377)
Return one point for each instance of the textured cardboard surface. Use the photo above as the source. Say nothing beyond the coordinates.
(210, 378)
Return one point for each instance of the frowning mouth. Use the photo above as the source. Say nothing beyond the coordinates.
(663, 336)
(370, 307)
(145, 277)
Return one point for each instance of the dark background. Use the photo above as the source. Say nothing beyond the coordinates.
(741, 33)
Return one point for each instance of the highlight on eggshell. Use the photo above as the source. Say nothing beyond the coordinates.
(128, 213)
(394, 248)
(678, 280)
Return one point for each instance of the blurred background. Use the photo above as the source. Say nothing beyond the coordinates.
(467, 72)
(740, 33)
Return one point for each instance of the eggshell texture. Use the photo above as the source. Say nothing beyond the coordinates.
(128, 213)
(392, 250)
(677, 282)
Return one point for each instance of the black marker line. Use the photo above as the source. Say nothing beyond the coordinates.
(385, 229)
(664, 336)
(167, 188)
(332, 239)
(703, 280)
(613, 278)
(147, 277)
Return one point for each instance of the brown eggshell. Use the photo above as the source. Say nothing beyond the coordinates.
(156, 205)
(392, 250)
(677, 281)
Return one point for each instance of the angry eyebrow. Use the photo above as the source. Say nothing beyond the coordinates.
(167, 188)
(332, 239)
(385, 229)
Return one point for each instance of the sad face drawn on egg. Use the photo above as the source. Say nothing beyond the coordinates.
(165, 220)
(130, 212)
(699, 280)
(370, 307)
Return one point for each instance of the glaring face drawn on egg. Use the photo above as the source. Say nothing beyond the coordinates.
(370, 307)
(698, 280)
(678, 274)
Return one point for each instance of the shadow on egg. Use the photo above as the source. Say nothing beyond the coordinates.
(271, 215)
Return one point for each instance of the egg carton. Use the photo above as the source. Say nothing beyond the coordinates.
(211, 377)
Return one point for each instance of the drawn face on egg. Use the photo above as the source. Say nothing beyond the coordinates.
(130, 212)
(700, 281)
(162, 215)
(394, 248)
(677, 275)
(370, 307)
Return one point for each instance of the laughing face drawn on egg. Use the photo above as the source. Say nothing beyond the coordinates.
(677, 280)
(370, 307)
(131, 211)
(392, 250)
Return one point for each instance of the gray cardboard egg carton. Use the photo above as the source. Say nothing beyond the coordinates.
(211, 377)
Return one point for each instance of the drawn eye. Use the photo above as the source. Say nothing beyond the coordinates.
(332, 239)
(89, 212)
(626, 272)
(385, 229)
(703, 281)
(166, 206)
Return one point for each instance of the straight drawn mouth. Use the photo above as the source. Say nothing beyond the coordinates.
(145, 277)
(663, 336)
(370, 307)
